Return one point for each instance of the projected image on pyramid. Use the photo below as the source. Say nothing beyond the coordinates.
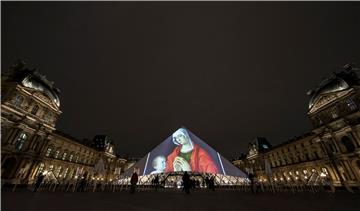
(182, 152)
(186, 156)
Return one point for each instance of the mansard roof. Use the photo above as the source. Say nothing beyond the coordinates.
(31, 78)
(337, 82)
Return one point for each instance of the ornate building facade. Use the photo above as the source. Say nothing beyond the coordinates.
(30, 143)
(330, 152)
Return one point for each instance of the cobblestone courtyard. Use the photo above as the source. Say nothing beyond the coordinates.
(177, 200)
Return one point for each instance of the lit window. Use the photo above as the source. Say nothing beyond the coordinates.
(48, 151)
(51, 167)
(56, 154)
(35, 109)
(20, 141)
(71, 157)
(57, 171)
(351, 104)
(324, 170)
(65, 172)
(18, 100)
(76, 159)
(40, 169)
(64, 156)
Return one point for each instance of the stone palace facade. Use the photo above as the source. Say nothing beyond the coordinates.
(30, 143)
(329, 152)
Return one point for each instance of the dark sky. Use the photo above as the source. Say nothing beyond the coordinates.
(227, 71)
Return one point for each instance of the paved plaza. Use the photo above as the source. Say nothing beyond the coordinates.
(176, 200)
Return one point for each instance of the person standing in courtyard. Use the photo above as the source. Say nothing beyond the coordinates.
(39, 181)
(186, 182)
(252, 183)
(156, 182)
(133, 181)
(82, 184)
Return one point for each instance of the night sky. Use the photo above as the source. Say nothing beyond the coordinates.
(227, 71)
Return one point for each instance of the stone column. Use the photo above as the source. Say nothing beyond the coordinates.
(355, 138)
(31, 142)
(45, 142)
(349, 170)
(31, 170)
(5, 140)
(334, 142)
(12, 137)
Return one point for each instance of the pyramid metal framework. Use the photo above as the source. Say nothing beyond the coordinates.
(184, 151)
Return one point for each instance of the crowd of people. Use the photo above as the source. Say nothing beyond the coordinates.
(187, 183)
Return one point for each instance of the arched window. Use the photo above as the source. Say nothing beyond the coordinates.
(71, 157)
(48, 151)
(57, 154)
(35, 109)
(20, 141)
(348, 144)
(76, 158)
(64, 156)
(18, 100)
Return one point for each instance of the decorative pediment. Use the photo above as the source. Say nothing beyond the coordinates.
(326, 99)
(41, 96)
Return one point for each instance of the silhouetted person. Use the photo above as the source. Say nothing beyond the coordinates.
(212, 183)
(208, 183)
(82, 185)
(133, 181)
(156, 182)
(252, 184)
(186, 182)
(39, 181)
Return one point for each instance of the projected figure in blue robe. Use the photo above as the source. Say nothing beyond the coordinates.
(188, 156)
